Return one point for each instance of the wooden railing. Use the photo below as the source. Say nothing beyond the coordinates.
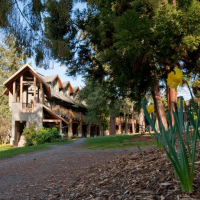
(122, 120)
(68, 113)
(27, 107)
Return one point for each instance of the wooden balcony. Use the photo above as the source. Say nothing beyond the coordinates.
(122, 120)
(68, 113)
(27, 107)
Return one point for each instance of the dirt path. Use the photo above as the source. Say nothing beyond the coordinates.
(38, 174)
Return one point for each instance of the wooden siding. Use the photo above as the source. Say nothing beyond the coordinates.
(68, 113)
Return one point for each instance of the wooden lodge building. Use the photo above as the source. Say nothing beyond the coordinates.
(47, 102)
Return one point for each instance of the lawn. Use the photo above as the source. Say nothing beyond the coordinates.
(6, 152)
(116, 142)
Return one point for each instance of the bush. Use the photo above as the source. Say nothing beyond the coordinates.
(46, 135)
(73, 136)
(29, 134)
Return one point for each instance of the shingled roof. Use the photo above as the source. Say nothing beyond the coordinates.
(62, 97)
(75, 89)
(65, 83)
(50, 78)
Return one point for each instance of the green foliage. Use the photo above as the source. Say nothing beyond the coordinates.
(164, 100)
(11, 58)
(114, 142)
(124, 43)
(183, 157)
(44, 135)
(5, 145)
(7, 151)
(29, 134)
(101, 103)
(10, 61)
(73, 137)
(5, 122)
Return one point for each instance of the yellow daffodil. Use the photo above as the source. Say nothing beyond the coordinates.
(150, 109)
(174, 79)
(179, 103)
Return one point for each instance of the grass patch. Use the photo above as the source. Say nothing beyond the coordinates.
(6, 152)
(114, 142)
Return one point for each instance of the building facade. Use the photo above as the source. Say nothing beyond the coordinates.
(48, 102)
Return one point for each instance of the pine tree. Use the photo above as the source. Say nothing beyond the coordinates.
(10, 62)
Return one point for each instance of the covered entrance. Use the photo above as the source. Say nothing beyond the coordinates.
(19, 127)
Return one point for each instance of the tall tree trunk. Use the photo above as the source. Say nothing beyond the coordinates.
(160, 112)
(112, 125)
(132, 115)
(141, 122)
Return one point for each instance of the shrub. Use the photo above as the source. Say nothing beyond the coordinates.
(73, 136)
(29, 134)
(46, 135)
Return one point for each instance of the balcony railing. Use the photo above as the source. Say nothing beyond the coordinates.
(122, 120)
(68, 113)
(27, 107)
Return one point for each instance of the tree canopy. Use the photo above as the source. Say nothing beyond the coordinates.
(133, 44)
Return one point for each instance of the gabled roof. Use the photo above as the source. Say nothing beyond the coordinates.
(6, 91)
(55, 115)
(67, 83)
(75, 89)
(62, 97)
(9, 82)
(52, 78)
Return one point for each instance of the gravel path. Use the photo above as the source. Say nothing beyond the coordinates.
(36, 175)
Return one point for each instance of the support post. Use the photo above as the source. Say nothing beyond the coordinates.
(21, 91)
(70, 131)
(27, 97)
(34, 90)
(14, 91)
(88, 130)
(41, 94)
(80, 129)
(129, 129)
(120, 128)
(108, 132)
(38, 95)
(60, 127)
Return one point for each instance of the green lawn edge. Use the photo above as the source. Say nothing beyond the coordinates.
(7, 152)
(114, 142)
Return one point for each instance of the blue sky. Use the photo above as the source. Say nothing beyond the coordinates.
(57, 69)
(61, 72)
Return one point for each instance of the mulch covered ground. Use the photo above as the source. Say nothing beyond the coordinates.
(148, 175)
(142, 138)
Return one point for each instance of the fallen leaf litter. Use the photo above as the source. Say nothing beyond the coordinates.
(147, 175)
